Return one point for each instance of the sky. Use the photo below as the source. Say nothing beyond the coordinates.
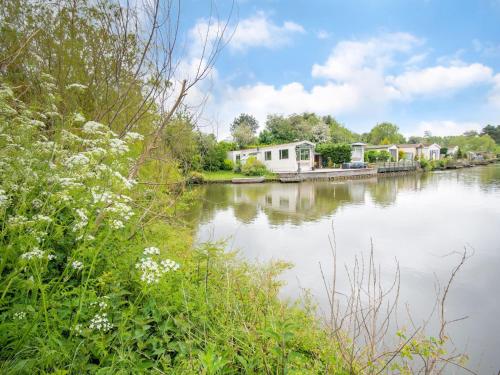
(425, 65)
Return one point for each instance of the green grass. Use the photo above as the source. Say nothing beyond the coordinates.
(228, 175)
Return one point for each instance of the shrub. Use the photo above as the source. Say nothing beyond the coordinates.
(337, 153)
(228, 165)
(424, 164)
(384, 155)
(401, 155)
(253, 167)
(194, 178)
(371, 156)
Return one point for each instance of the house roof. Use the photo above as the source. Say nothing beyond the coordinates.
(358, 144)
(410, 145)
(379, 147)
(432, 144)
(267, 147)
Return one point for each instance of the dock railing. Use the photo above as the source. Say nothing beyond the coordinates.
(399, 166)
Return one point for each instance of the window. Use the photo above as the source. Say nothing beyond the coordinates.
(238, 158)
(284, 154)
(304, 154)
(267, 155)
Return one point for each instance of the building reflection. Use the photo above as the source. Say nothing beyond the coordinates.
(297, 203)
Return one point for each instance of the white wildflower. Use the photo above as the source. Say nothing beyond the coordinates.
(151, 251)
(78, 117)
(35, 253)
(100, 322)
(20, 315)
(102, 196)
(121, 209)
(76, 87)
(36, 203)
(77, 265)
(78, 329)
(103, 305)
(77, 160)
(4, 198)
(37, 124)
(118, 146)
(93, 127)
(82, 220)
(43, 218)
(132, 136)
(51, 257)
(17, 220)
(117, 224)
(152, 271)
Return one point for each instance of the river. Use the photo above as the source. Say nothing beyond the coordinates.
(424, 221)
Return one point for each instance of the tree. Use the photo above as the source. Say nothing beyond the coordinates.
(320, 133)
(338, 132)
(383, 131)
(493, 132)
(246, 120)
(281, 129)
(243, 135)
(265, 137)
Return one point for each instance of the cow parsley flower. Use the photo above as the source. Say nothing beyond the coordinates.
(96, 128)
(132, 136)
(78, 117)
(4, 198)
(118, 146)
(117, 224)
(20, 315)
(78, 160)
(77, 265)
(152, 271)
(151, 251)
(82, 220)
(100, 322)
(76, 86)
(35, 253)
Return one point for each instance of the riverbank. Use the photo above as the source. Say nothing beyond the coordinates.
(226, 177)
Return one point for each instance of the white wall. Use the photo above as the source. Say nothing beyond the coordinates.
(432, 152)
(276, 164)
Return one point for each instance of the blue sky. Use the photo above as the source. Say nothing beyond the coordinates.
(422, 64)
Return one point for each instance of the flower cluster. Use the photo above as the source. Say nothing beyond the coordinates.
(81, 221)
(77, 265)
(151, 269)
(20, 315)
(100, 322)
(35, 253)
(4, 198)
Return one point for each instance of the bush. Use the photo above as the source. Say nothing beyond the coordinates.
(228, 165)
(384, 155)
(194, 178)
(337, 153)
(371, 156)
(424, 164)
(253, 167)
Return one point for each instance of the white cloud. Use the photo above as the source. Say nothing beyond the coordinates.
(440, 79)
(323, 34)
(445, 127)
(350, 59)
(260, 31)
(353, 81)
(494, 98)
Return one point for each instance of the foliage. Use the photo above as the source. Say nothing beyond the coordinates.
(83, 278)
(336, 153)
(228, 165)
(253, 167)
(493, 132)
(373, 156)
(194, 178)
(246, 120)
(339, 133)
(443, 151)
(385, 132)
(296, 127)
(401, 155)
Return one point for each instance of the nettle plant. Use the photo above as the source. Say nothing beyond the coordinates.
(65, 212)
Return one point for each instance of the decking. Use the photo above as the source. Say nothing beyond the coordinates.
(326, 174)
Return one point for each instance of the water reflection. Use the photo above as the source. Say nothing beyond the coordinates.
(298, 203)
(417, 219)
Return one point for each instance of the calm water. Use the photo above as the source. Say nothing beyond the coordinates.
(418, 220)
